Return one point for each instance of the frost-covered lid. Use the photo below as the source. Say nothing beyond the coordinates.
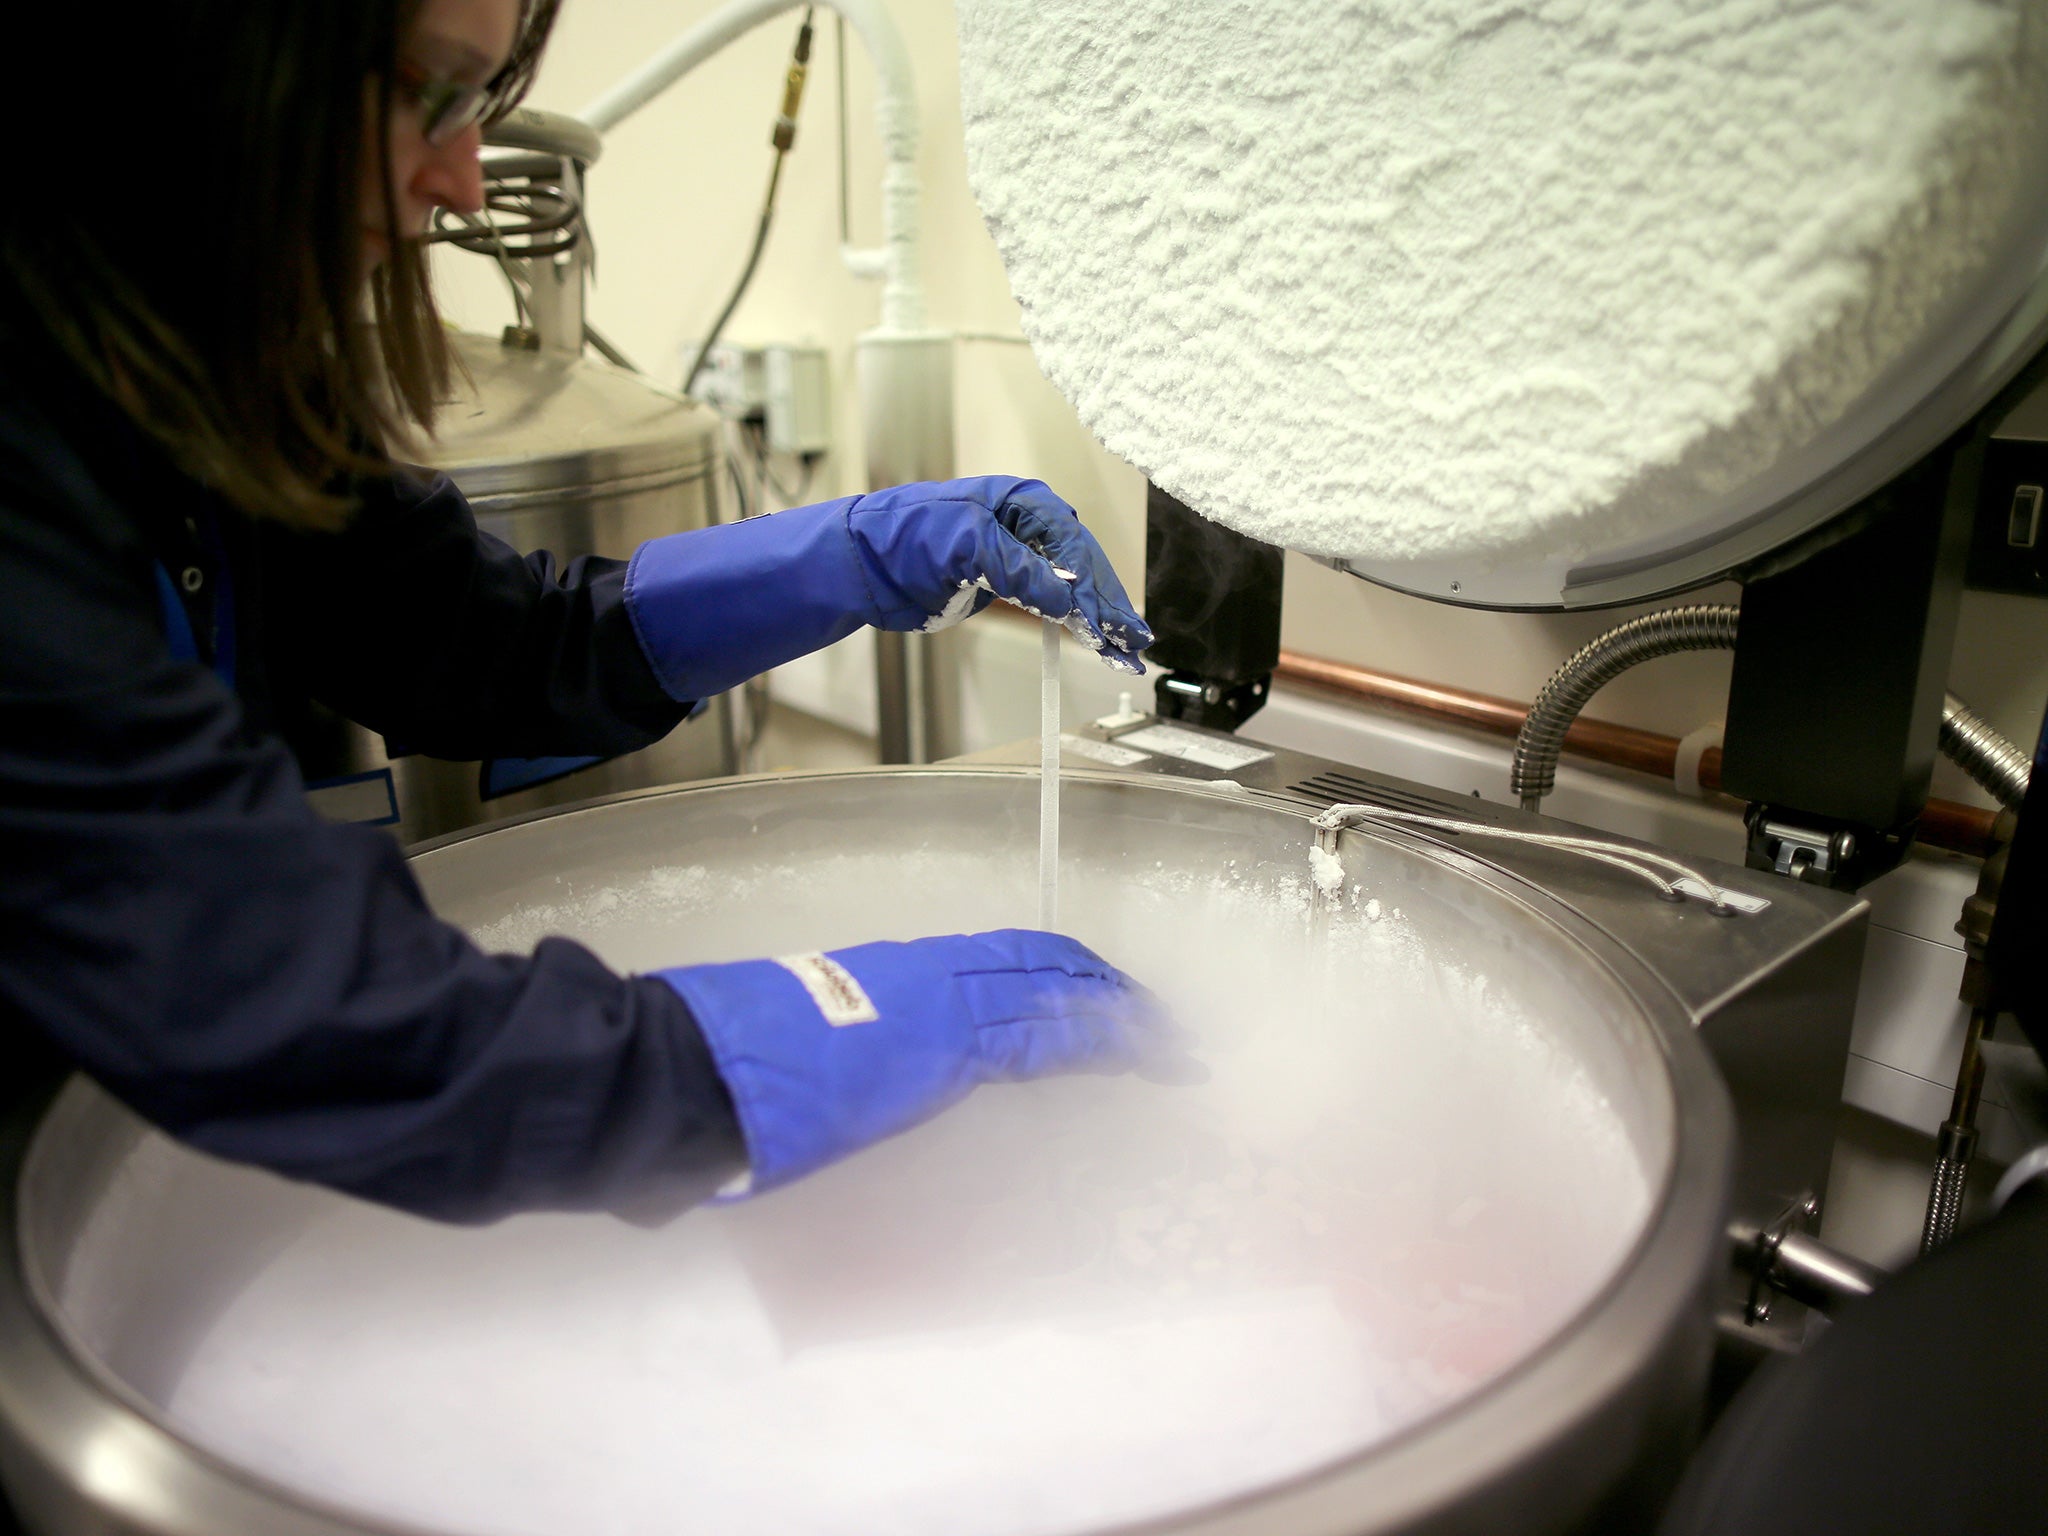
(1518, 305)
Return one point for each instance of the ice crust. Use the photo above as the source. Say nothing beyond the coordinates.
(1497, 280)
(1326, 870)
(1062, 1306)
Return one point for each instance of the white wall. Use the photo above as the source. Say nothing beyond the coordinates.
(674, 203)
(675, 200)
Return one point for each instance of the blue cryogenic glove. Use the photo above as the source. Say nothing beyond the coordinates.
(716, 606)
(826, 1053)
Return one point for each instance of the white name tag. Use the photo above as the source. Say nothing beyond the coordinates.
(832, 987)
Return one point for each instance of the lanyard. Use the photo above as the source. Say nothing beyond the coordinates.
(178, 631)
(370, 797)
(364, 802)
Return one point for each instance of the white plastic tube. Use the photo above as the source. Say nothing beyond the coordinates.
(1049, 775)
(896, 263)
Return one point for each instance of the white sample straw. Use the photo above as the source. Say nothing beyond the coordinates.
(1049, 775)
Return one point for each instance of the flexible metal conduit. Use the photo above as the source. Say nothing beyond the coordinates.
(2000, 768)
(1699, 627)
(1966, 740)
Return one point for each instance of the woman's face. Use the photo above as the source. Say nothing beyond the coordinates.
(461, 42)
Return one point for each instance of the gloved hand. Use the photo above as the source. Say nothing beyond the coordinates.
(716, 606)
(824, 1054)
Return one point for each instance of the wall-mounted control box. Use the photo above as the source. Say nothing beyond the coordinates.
(733, 380)
(785, 390)
(799, 399)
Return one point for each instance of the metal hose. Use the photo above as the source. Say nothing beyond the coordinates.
(1966, 740)
(2000, 769)
(1955, 1145)
(1668, 632)
(1945, 1195)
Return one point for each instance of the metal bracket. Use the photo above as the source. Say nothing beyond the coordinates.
(1219, 704)
(1784, 1261)
(1763, 1256)
(1212, 597)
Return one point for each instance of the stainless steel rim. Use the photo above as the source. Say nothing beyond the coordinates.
(65, 1424)
(64, 1419)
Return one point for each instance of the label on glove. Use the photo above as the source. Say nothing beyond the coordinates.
(839, 997)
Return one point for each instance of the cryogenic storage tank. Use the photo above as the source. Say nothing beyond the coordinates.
(1433, 1248)
(576, 457)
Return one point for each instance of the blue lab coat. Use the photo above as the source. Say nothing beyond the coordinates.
(265, 985)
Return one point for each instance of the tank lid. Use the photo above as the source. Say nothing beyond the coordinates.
(543, 421)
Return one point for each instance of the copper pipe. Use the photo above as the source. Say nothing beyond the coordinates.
(1944, 824)
(1958, 828)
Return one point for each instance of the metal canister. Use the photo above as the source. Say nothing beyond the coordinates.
(577, 457)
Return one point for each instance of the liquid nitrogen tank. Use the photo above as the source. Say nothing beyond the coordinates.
(574, 456)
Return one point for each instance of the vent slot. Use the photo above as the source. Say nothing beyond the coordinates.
(1339, 788)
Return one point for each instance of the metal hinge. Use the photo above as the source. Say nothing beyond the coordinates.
(1797, 852)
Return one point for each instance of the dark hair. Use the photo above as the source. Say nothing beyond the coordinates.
(186, 235)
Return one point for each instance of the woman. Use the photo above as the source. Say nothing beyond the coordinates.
(205, 373)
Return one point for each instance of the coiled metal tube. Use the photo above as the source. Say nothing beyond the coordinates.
(1668, 632)
(524, 216)
(2001, 768)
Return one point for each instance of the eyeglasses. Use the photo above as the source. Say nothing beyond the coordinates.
(447, 107)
